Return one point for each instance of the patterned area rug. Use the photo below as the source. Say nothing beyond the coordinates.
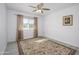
(41, 46)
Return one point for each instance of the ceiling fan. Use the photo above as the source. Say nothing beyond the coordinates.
(39, 8)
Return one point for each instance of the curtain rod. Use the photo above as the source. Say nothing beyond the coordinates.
(26, 16)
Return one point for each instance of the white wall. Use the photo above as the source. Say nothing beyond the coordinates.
(12, 27)
(40, 26)
(3, 30)
(53, 27)
(12, 24)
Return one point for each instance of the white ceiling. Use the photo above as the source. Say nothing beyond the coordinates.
(24, 7)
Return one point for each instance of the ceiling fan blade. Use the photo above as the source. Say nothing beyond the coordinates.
(45, 9)
(34, 10)
(39, 6)
(32, 6)
(42, 11)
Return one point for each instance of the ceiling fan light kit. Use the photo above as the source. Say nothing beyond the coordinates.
(38, 11)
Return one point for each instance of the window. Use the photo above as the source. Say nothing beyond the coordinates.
(28, 24)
